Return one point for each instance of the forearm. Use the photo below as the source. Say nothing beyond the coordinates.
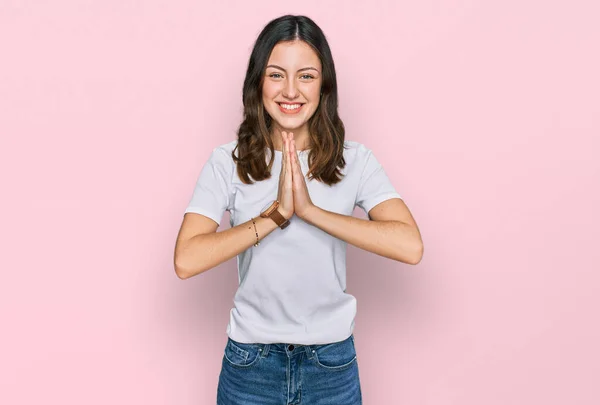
(392, 239)
(205, 251)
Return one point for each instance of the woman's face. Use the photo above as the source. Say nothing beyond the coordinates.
(292, 80)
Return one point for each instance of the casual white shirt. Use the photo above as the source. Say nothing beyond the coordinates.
(292, 287)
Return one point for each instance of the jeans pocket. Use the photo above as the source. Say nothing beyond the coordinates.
(335, 356)
(242, 355)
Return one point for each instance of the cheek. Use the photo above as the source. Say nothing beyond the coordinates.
(269, 91)
(313, 92)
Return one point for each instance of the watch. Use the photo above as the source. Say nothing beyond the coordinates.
(271, 211)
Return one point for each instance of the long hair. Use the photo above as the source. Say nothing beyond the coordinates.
(325, 158)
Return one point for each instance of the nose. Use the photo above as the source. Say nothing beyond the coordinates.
(289, 90)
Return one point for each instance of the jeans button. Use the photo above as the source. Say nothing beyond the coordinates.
(291, 347)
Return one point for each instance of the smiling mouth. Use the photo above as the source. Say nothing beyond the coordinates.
(285, 108)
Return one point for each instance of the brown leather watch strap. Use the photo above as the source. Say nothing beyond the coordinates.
(279, 219)
(275, 215)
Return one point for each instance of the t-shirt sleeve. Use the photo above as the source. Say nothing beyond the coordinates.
(211, 196)
(374, 186)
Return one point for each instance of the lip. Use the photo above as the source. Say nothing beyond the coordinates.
(285, 111)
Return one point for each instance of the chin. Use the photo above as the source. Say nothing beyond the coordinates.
(291, 122)
(289, 125)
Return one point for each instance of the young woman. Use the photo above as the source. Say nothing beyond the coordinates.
(291, 182)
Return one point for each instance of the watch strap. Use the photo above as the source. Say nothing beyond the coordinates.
(275, 215)
(279, 219)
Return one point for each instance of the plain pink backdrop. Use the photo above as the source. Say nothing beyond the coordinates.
(485, 115)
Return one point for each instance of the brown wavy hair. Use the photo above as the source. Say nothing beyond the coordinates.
(326, 129)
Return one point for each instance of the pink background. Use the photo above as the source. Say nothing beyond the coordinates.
(484, 114)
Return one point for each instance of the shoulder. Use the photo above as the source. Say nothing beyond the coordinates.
(220, 159)
(355, 151)
(225, 149)
(221, 154)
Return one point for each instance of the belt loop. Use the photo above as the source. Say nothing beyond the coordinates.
(265, 349)
(309, 351)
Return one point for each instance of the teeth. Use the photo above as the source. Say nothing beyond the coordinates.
(290, 106)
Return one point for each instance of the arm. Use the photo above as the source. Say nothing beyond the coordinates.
(391, 233)
(199, 247)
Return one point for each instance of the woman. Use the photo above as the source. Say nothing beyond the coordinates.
(290, 332)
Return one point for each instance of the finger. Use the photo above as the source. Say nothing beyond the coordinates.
(290, 148)
(296, 161)
(294, 158)
(285, 149)
(284, 161)
(292, 171)
(288, 173)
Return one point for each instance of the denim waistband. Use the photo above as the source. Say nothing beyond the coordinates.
(293, 348)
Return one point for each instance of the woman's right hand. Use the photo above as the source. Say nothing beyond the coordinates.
(285, 194)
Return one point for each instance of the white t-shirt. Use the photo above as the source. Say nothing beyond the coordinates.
(292, 287)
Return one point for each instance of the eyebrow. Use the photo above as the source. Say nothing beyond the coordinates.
(299, 70)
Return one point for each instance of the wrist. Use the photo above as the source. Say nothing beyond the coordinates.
(273, 211)
(310, 213)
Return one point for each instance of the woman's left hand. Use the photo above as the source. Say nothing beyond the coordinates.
(302, 202)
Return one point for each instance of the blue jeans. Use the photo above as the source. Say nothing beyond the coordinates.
(284, 373)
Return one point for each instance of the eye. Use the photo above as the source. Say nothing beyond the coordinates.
(308, 76)
(274, 74)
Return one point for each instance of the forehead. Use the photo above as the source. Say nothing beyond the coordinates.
(296, 54)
